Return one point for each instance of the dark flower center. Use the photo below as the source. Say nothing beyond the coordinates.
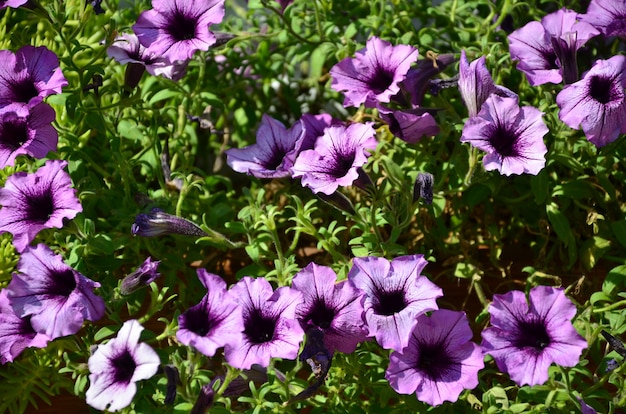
(533, 334)
(181, 27)
(603, 90)
(388, 303)
(63, 284)
(381, 80)
(275, 160)
(24, 90)
(503, 140)
(342, 164)
(259, 328)
(14, 133)
(433, 361)
(40, 206)
(321, 315)
(124, 367)
(198, 321)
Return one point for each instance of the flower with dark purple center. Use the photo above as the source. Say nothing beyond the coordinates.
(142, 276)
(526, 337)
(609, 16)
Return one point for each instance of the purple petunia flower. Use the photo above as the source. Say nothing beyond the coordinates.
(440, 360)
(37, 201)
(335, 308)
(273, 154)
(609, 16)
(31, 133)
(28, 76)
(336, 157)
(373, 76)
(546, 51)
(418, 79)
(12, 3)
(597, 102)
(176, 29)
(270, 328)
(526, 338)
(16, 333)
(159, 223)
(314, 126)
(56, 297)
(115, 367)
(215, 321)
(410, 125)
(142, 276)
(476, 84)
(396, 294)
(511, 136)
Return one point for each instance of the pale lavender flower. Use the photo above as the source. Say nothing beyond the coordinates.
(273, 154)
(16, 333)
(440, 360)
(116, 366)
(609, 16)
(56, 297)
(546, 51)
(396, 294)
(176, 29)
(525, 338)
(12, 3)
(215, 321)
(31, 133)
(140, 277)
(597, 102)
(335, 308)
(159, 223)
(511, 136)
(373, 76)
(37, 201)
(270, 328)
(28, 75)
(337, 155)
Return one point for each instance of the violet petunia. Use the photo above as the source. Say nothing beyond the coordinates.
(16, 333)
(373, 76)
(274, 152)
(116, 366)
(215, 321)
(410, 125)
(159, 223)
(597, 102)
(395, 294)
(526, 337)
(335, 308)
(31, 133)
(336, 157)
(314, 126)
(546, 51)
(270, 327)
(57, 298)
(29, 75)
(609, 16)
(418, 79)
(140, 277)
(176, 29)
(512, 136)
(12, 3)
(37, 201)
(440, 360)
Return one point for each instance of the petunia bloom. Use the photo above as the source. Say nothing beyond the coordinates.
(57, 298)
(440, 360)
(273, 154)
(215, 321)
(335, 158)
(597, 102)
(410, 125)
(159, 223)
(31, 133)
(335, 308)
(116, 366)
(525, 338)
(609, 16)
(12, 3)
(395, 294)
(16, 333)
(546, 51)
(270, 328)
(37, 201)
(29, 75)
(140, 277)
(176, 29)
(373, 76)
(418, 79)
(511, 136)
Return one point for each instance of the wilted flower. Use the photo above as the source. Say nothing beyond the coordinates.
(423, 188)
(270, 328)
(116, 366)
(336, 157)
(159, 223)
(396, 294)
(57, 298)
(512, 136)
(373, 76)
(526, 337)
(607, 15)
(440, 360)
(142, 276)
(176, 29)
(597, 102)
(37, 201)
(418, 79)
(273, 154)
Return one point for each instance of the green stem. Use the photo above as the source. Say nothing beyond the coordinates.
(610, 307)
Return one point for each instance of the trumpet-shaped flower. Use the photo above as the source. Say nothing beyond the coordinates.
(395, 294)
(525, 338)
(159, 223)
(140, 277)
(609, 16)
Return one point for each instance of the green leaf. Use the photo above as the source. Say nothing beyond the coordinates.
(560, 224)
(103, 333)
(129, 129)
(539, 186)
(619, 230)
